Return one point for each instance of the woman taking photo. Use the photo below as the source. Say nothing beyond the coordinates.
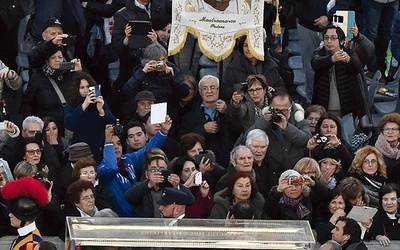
(87, 114)
(41, 98)
(244, 64)
(388, 144)
(187, 168)
(328, 135)
(248, 105)
(386, 225)
(369, 167)
(291, 199)
(241, 188)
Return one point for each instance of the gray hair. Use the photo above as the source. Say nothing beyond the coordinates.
(235, 151)
(24, 169)
(209, 77)
(256, 135)
(32, 119)
(153, 52)
(334, 245)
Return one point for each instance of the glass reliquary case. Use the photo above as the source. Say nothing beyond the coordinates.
(188, 233)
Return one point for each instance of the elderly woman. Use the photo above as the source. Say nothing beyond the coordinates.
(312, 114)
(87, 113)
(330, 163)
(241, 188)
(247, 105)
(369, 167)
(81, 199)
(244, 64)
(385, 226)
(328, 134)
(86, 169)
(291, 199)
(41, 97)
(388, 144)
(186, 168)
(160, 77)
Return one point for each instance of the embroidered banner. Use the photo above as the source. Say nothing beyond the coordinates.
(217, 24)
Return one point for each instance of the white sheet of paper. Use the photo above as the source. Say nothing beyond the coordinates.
(158, 113)
(362, 214)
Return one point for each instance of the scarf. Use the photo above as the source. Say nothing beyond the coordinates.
(375, 181)
(384, 147)
(258, 110)
(53, 73)
(301, 210)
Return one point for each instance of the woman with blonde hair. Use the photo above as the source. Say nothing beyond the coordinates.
(369, 167)
(329, 160)
(308, 166)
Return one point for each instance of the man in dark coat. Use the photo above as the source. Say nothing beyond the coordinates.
(338, 81)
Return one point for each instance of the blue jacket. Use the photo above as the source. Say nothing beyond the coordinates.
(88, 125)
(114, 181)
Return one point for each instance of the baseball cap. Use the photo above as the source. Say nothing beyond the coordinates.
(173, 196)
(52, 22)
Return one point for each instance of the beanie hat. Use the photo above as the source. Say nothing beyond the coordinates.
(78, 151)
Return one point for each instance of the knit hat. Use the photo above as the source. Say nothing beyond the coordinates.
(329, 153)
(24, 198)
(52, 22)
(78, 151)
(290, 173)
(145, 95)
(173, 196)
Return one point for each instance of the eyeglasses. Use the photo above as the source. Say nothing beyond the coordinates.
(88, 198)
(391, 130)
(142, 105)
(371, 162)
(332, 38)
(255, 91)
(211, 88)
(88, 173)
(33, 151)
(155, 170)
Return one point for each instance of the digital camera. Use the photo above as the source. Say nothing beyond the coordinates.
(276, 115)
(118, 127)
(321, 139)
(296, 180)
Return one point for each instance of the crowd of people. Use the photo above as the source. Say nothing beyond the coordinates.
(232, 148)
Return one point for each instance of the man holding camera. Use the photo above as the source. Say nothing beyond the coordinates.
(287, 130)
(52, 37)
(118, 171)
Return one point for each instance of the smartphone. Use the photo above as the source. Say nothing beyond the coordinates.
(207, 154)
(95, 90)
(69, 40)
(67, 66)
(2, 126)
(198, 178)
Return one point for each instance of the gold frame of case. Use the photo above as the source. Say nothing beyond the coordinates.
(188, 233)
